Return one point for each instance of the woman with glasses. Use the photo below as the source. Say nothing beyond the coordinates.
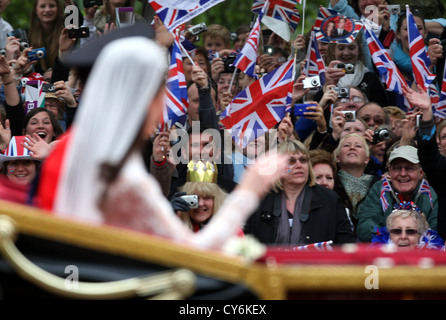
(407, 229)
(405, 184)
(297, 210)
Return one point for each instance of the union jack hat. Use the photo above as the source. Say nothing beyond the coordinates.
(15, 150)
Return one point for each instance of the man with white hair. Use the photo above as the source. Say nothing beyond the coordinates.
(405, 185)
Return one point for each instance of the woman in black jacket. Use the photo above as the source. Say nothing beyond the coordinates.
(298, 211)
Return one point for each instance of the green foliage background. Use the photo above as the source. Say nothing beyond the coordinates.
(230, 13)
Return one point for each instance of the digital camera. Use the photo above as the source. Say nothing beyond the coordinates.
(268, 49)
(228, 61)
(76, 33)
(197, 29)
(348, 68)
(192, 200)
(48, 87)
(300, 109)
(417, 120)
(22, 36)
(342, 92)
(394, 8)
(380, 135)
(311, 82)
(36, 54)
(350, 116)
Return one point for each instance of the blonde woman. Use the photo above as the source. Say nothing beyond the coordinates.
(352, 183)
(297, 210)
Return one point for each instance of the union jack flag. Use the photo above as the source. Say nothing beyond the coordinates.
(282, 11)
(314, 65)
(382, 196)
(425, 189)
(260, 106)
(325, 15)
(247, 58)
(387, 69)
(176, 90)
(319, 246)
(176, 12)
(418, 55)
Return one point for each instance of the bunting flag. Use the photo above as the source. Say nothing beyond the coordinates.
(281, 16)
(247, 58)
(382, 196)
(176, 12)
(319, 246)
(326, 25)
(314, 65)
(260, 106)
(418, 55)
(425, 189)
(176, 90)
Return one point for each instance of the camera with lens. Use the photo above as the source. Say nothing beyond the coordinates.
(76, 33)
(192, 200)
(349, 68)
(49, 87)
(394, 8)
(380, 135)
(268, 49)
(342, 92)
(311, 82)
(22, 36)
(350, 116)
(197, 29)
(228, 61)
(36, 54)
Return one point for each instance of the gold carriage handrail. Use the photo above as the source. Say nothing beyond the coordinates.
(177, 284)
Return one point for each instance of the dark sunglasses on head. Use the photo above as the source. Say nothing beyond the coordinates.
(409, 232)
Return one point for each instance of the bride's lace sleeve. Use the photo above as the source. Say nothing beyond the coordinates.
(137, 203)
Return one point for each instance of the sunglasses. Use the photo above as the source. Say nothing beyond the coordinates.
(409, 232)
(292, 160)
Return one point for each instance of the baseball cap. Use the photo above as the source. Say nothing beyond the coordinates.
(408, 153)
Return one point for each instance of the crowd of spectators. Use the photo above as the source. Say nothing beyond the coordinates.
(359, 153)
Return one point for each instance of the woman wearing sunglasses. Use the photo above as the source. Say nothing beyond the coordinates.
(407, 229)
